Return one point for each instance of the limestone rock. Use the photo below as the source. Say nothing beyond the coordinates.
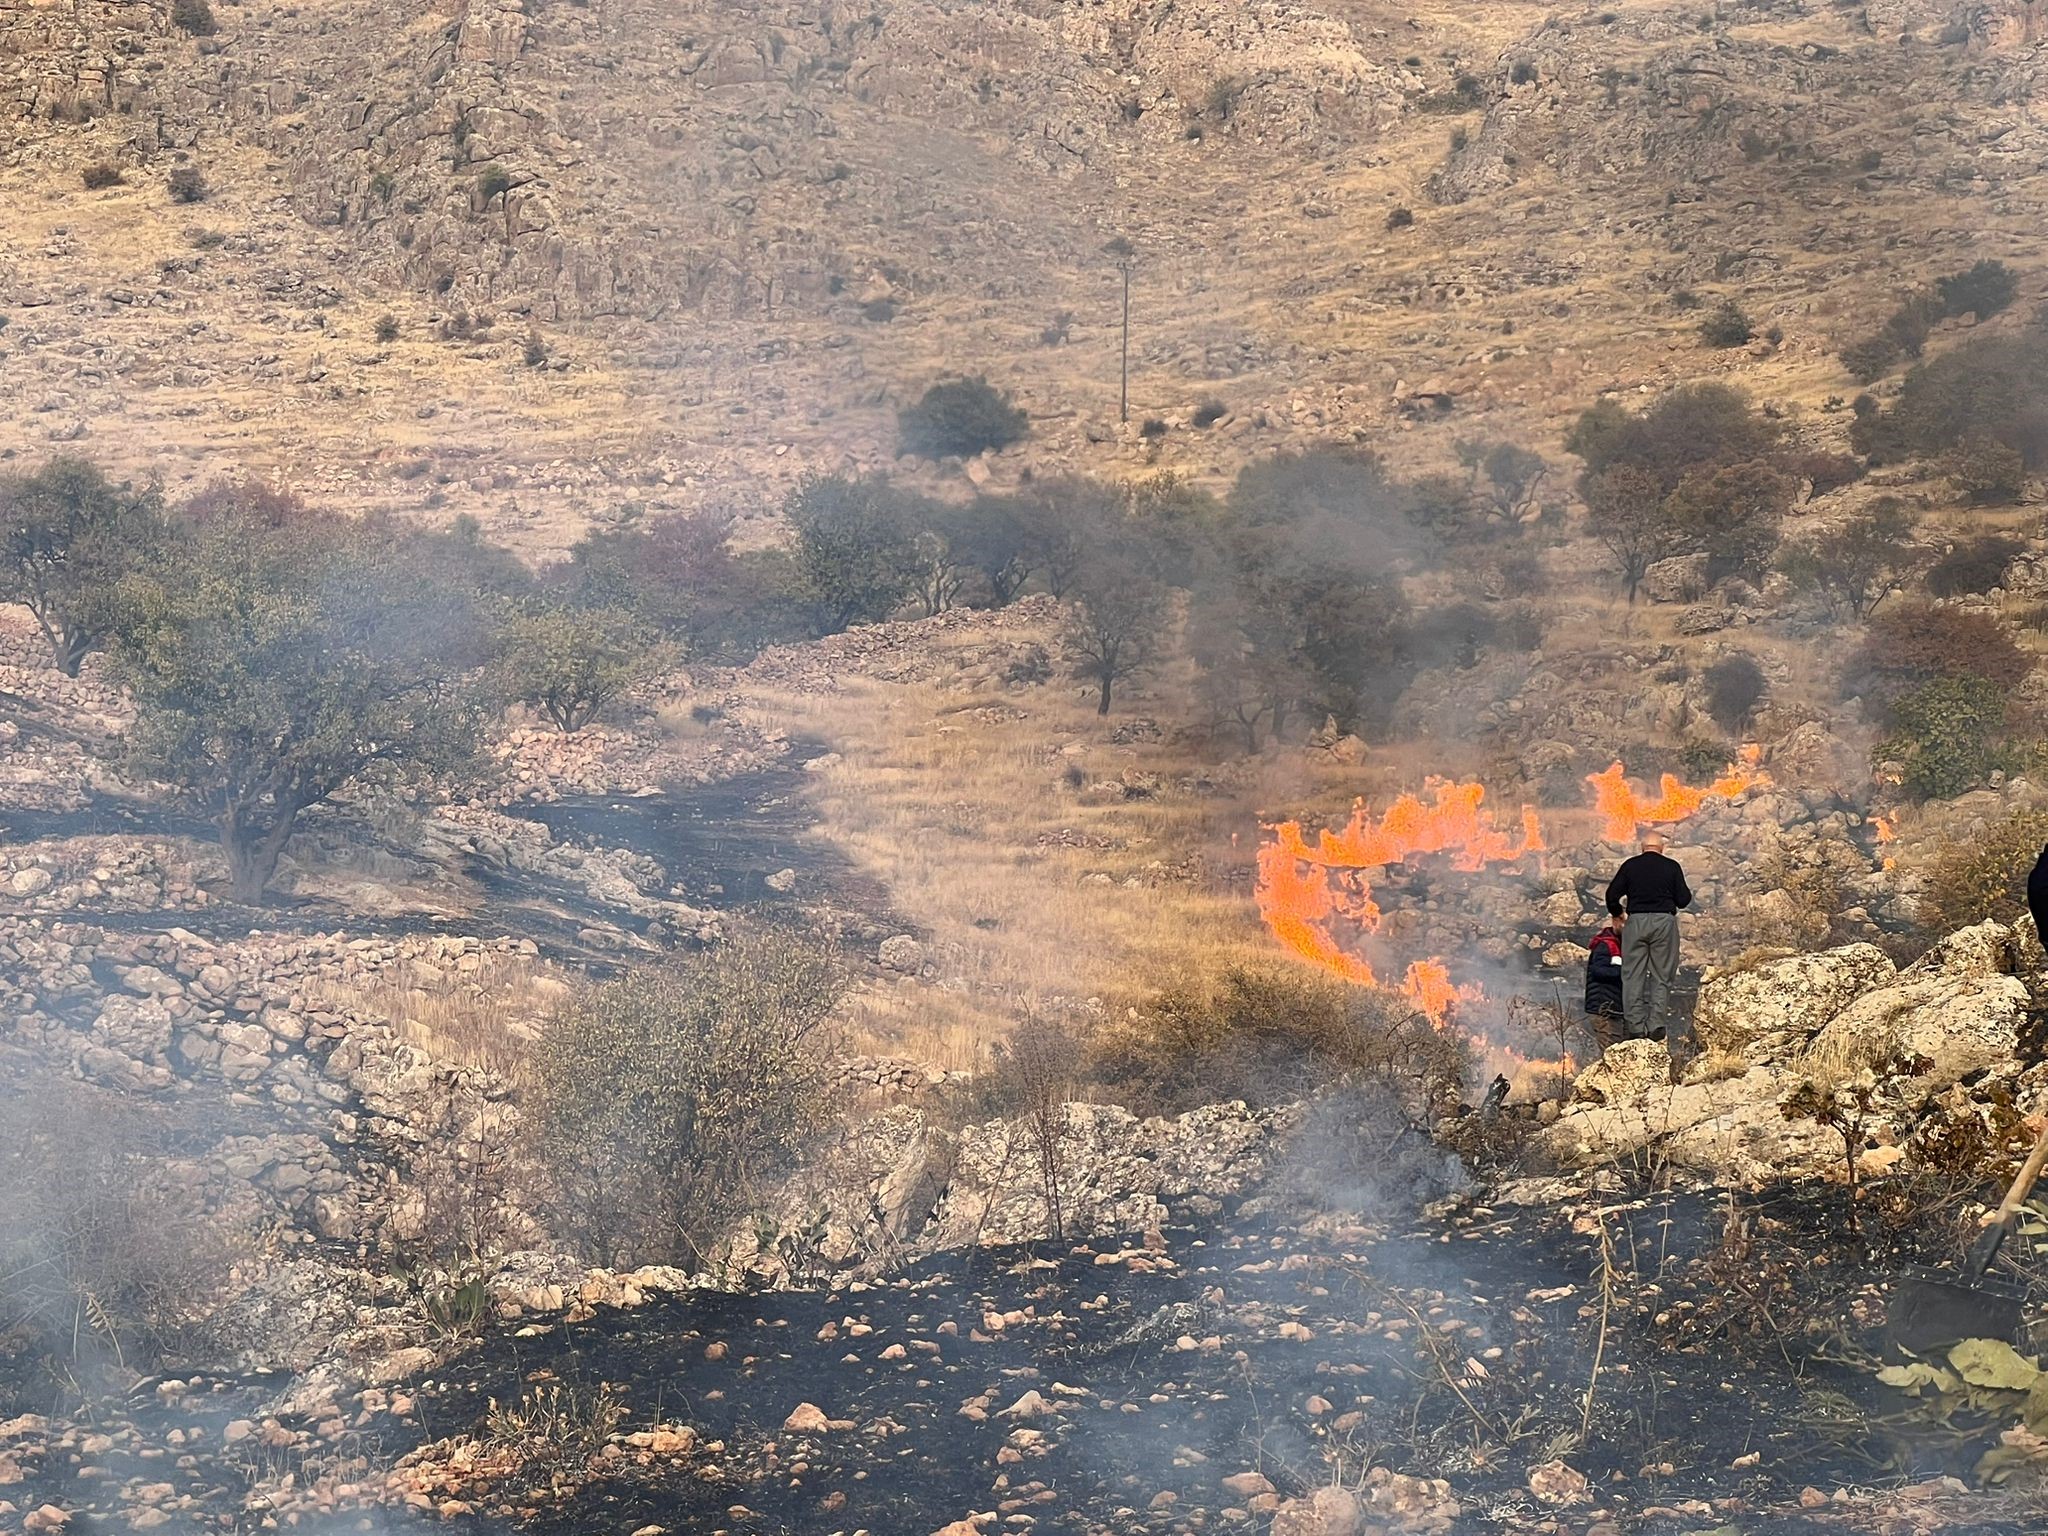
(901, 953)
(1326, 1512)
(1631, 1072)
(1958, 1021)
(1558, 1484)
(1758, 1009)
(1680, 579)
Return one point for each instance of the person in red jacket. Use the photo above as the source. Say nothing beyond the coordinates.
(1603, 973)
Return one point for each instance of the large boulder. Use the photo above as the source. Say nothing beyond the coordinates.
(1959, 1021)
(1680, 579)
(1630, 1072)
(1959, 1005)
(1760, 1010)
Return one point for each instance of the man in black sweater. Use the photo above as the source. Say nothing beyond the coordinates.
(2037, 896)
(1646, 894)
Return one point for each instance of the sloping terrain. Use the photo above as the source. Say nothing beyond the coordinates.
(743, 233)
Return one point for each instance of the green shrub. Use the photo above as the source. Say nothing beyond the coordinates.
(491, 182)
(193, 16)
(386, 328)
(1269, 1037)
(1907, 647)
(1973, 567)
(1982, 290)
(570, 663)
(1735, 686)
(1949, 738)
(1726, 327)
(1209, 412)
(102, 174)
(959, 419)
(1400, 218)
(1985, 469)
(668, 1103)
(186, 185)
(1985, 388)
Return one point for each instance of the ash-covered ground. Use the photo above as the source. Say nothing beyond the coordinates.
(1581, 1359)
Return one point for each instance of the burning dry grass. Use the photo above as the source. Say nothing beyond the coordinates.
(1045, 863)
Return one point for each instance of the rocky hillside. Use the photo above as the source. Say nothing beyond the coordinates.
(738, 235)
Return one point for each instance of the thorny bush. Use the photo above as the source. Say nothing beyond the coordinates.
(1984, 876)
(104, 1259)
(1270, 1037)
(669, 1101)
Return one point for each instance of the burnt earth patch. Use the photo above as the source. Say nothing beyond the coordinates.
(1119, 1395)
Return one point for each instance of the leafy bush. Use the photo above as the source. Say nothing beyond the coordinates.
(959, 419)
(1209, 412)
(1400, 218)
(1698, 424)
(1824, 472)
(1983, 876)
(858, 554)
(1735, 686)
(1727, 326)
(1857, 564)
(101, 174)
(491, 182)
(103, 1260)
(1871, 358)
(1732, 512)
(1949, 737)
(1985, 389)
(1973, 567)
(1985, 469)
(1269, 1037)
(194, 16)
(1983, 290)
(570, 663)
(1907, 647)
(668, 1102)
(69, 540)
(186, 185)
(386, 328)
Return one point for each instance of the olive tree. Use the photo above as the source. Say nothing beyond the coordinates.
(570, 663)
(69, 537)
(1116, 617)
(275, 662)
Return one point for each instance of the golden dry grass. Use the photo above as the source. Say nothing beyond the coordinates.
(1013, 847)
(482, 1017)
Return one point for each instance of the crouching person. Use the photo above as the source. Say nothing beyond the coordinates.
(1603, 978)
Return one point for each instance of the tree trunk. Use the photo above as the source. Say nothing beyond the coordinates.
(68, 649)
(1105, 677)
(253, 855)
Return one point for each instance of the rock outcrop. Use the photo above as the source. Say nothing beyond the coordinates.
(1823, 1019)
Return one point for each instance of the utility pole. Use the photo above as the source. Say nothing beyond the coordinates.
(1123, 251)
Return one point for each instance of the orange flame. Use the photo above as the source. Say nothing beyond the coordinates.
(1624, 810)
(1887, 827)
(1307, 892)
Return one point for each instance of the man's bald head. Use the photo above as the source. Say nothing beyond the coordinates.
(1654, 842)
